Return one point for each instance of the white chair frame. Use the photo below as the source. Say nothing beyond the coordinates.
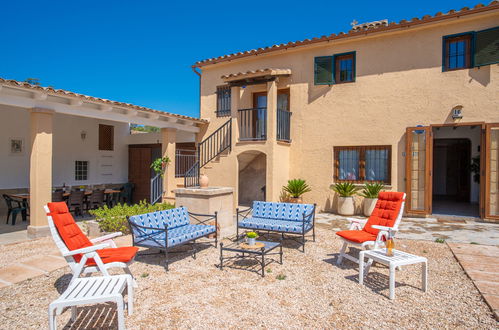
(358, 224)
(78, 268)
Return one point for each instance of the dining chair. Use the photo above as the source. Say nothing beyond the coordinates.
(58, 196)
(76, 201)
(126, 193)
(95, 200)
(14, 207)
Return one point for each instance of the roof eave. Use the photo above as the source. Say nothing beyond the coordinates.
(392, 27)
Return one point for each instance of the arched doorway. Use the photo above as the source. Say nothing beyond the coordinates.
(252, 177)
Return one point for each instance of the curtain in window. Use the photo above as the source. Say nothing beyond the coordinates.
(376, 165)
(282, 102)
(348, 165)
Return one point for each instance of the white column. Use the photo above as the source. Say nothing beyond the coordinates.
(272, 185)
(168, 140)
(40, 181)
(235, 97)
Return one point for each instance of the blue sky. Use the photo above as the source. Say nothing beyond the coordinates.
(141, 51)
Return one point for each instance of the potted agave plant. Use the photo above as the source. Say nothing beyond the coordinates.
(370, 193)
(296, 188)
(345, 191)
(251, 237)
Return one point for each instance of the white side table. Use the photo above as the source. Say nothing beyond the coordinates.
(399, 258)
(94, 290)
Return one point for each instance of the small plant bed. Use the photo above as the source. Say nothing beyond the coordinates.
(114, 219)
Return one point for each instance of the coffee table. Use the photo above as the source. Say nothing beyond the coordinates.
(399, 258)
(257, 254)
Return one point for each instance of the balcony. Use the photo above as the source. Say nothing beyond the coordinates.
(284, 125)
(253, 124)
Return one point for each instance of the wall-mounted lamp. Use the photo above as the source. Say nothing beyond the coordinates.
(83, 135)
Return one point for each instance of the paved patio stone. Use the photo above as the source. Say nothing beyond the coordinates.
(474, 250)
(430, 229)
(46, 263)
(488, 287)
(482, 276)
(480, 263)
(17, 273)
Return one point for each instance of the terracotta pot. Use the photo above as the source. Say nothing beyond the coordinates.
(346, 206)
(295, 200)
(203, 181)
(369, 204)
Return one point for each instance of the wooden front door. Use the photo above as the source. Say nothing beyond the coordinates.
(451, 169)
(491, 193)
(259, 119)
(139, 172)
(419, 145)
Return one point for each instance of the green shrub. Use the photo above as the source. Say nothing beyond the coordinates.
(440, 240)
(114, 219)
(159, 165)
(296, 187)
(345, 189)
(371, 189)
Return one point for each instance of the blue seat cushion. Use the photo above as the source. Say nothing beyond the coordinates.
(275, 225)
(176, 236)
(174, 218)
(282, 211)
(182, 234)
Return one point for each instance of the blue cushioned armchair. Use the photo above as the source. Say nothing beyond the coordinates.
(169, 228)
(285, 218)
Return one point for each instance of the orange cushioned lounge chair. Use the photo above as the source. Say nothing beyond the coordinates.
(372, 233)
(82, 254)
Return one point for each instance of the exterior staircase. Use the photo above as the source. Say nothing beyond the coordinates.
(209, 149)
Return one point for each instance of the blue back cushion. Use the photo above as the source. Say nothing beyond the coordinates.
(175, 218)
(281, 211)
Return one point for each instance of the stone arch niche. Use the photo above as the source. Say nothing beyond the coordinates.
(251, 177)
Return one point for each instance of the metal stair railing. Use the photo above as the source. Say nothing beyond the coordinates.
(156, 188)
(209, 149)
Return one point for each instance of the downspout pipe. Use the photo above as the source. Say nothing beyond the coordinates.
(199, 73)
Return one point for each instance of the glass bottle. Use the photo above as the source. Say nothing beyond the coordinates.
(390, 245)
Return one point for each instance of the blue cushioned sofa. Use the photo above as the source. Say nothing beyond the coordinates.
(169, 228)
(284, 218)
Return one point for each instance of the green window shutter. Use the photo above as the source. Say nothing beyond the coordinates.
(487, 47)
(323, 70)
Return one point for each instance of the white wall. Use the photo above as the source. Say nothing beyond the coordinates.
(104, 166)
(462, 132)
(14, 169)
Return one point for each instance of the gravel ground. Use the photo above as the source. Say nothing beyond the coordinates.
(19, 252)
(314, 293)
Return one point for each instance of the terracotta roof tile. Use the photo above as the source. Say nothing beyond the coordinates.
(369, 29)
(52, 90)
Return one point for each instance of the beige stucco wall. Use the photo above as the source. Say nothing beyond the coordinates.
(399, 83)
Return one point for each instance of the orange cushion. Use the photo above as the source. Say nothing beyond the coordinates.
(121, 254)
(357, 236)
(74, 238)
(69, 231)
(385, 212)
